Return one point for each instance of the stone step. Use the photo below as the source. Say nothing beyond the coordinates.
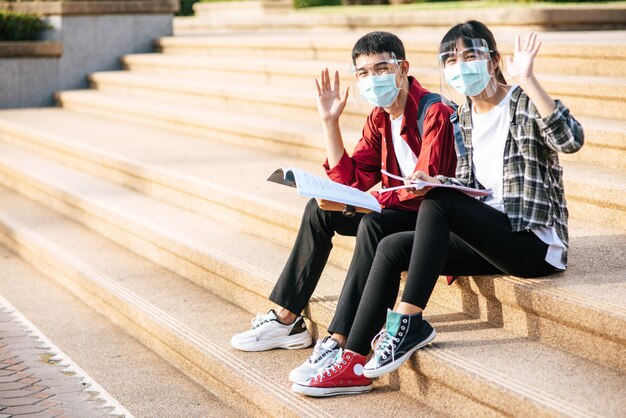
(571, 311)
(600, 53)
(605, 140)
(250, 9)
(584, 95)
(129, 371)
(289, 138)
(596, 193)
(600, 191)
(484, 368)
(170, 315)
(199, 178)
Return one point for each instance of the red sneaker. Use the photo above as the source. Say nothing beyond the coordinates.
(343, 377)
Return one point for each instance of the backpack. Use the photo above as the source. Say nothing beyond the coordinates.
(425, 102)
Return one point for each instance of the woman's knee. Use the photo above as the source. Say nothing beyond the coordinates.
(439, 199)
(386, 246)
(440, 194)
(392, 251)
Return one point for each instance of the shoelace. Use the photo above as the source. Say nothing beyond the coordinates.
(318, 354)
(384, 344)
(330, 369)
(259, 320)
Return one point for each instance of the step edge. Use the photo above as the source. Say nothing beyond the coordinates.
(524, 392)
(184, 89)
(532, 287)
(30, 239)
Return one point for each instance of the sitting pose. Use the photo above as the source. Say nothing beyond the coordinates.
(511, 137)
(391, 140)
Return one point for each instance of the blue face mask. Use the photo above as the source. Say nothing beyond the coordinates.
(468, 78)
(379, 90)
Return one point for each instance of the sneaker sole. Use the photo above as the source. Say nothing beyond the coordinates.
(302, 378)
(292, 342)
(373, 373)
(326, 392)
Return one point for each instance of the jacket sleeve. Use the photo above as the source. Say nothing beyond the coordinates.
(362, 169)
(437, 155)
(560, 131)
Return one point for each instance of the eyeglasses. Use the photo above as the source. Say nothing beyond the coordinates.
(382, 67)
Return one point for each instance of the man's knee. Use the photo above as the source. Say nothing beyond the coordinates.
(311, 205)
(312, 210)
(316, 217)
(370, 222)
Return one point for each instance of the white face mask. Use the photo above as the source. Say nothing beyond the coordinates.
(468, 78)
(380, 90)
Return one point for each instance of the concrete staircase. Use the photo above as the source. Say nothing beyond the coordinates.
(145, 197)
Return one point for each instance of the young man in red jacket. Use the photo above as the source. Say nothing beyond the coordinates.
(390, 141)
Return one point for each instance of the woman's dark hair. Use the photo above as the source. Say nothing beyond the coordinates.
(471, 30)
(377, 43)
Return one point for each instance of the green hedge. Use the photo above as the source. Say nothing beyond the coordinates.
(364, 2)
(186, 7)
(314, 3)
(20, 26)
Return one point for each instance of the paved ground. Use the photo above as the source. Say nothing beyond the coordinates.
(38, 380)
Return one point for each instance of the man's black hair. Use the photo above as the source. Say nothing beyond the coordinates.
(377, 43)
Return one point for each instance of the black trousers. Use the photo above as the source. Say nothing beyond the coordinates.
(454, 235)
(310, 253)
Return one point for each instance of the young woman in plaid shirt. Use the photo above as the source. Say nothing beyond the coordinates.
(511, 137)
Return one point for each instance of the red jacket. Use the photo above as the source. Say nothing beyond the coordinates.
(435, 152)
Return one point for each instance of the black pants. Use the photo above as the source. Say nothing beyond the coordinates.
(310, 252)
(454, 235)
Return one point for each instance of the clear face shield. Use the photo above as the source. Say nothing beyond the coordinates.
(467, 69)
(375, 78)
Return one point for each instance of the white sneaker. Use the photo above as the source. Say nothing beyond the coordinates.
(323, 356)
(268, 333)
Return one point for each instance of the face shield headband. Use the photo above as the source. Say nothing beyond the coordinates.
(377, 81)
(465, 65)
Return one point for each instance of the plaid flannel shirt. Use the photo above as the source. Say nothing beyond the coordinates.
(532, 176)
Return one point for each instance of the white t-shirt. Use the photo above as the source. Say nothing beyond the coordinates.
(489, 134)
(407, 160)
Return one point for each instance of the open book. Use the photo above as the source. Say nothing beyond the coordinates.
(311, 185)
(418, 184)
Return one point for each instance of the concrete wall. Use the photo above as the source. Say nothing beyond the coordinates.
(89, 43)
